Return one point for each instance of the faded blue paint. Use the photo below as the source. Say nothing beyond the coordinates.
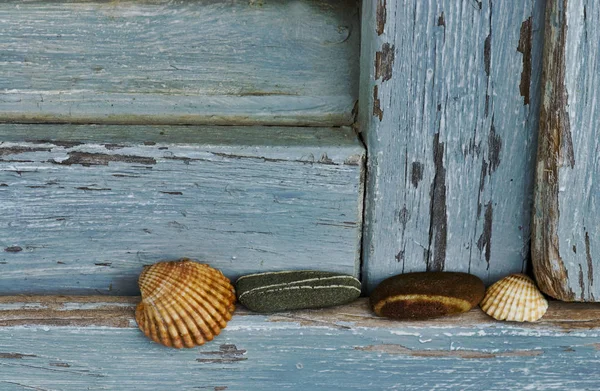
(85, 207)
(256, 352)
(178, 62)
(449, 96)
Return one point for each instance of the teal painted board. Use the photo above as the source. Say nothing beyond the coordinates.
(566, 238)
(85, 207)
(179, 62)
(449, 103)
(345, 348)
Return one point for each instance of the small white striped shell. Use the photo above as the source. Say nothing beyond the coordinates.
(184, 303)
(514, 298)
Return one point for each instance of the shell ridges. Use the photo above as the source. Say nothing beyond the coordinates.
(184, 303)
(514, 298)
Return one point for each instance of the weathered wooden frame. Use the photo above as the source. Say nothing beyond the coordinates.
(71, 342)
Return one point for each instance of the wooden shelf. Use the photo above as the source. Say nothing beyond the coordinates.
(62, 342)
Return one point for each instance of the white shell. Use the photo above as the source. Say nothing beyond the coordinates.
(514, 298)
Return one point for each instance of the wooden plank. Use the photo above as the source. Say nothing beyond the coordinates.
(449, 112)
(85, 207)
(566, 238)
(45, 345)
(179, 62)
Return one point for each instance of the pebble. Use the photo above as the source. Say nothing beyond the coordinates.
(296, 289)
(426, 295)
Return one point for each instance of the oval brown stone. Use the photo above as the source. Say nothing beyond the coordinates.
(426, 295)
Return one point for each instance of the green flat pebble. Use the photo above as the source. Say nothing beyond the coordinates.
(426, 295)
(295, 289)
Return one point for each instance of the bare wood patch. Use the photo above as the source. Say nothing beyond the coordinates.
(102, 159)
(381, 16)
(525, 49)
(384, 62)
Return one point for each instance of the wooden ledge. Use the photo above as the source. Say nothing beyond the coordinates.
(70, 343)
(118, 311)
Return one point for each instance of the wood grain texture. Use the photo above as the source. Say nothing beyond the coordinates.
(343, 348)
(566, 240)
(449, 96)
(85, 207)
(179, 62)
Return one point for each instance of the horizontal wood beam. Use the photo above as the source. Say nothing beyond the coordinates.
(85, 207)
(166, 62)
(58, 342)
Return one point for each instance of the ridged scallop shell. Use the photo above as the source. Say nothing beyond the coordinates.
(184, 303)
(514, 298)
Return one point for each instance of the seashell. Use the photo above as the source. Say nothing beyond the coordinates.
(514, 298)
(184, 303)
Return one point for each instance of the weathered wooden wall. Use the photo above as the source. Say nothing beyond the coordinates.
(58, 343)
(566, 240)
(179, 62)
(449, 104)
(83, 208)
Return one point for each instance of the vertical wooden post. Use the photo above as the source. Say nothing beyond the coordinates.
(449, 101)
(566, 234)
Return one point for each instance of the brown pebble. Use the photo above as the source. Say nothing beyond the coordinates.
(426, 295)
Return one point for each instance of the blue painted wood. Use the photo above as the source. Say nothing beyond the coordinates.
(566, 240)
(85, 207)
(346, 348)
(179, 62)
(449, 103)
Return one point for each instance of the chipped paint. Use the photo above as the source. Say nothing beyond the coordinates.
(525, 49)
(384, 62)
(381, 16)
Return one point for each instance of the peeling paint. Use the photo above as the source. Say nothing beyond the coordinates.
(525, 49)
(494, 148)
(377, 111)
(6, 151)
(381, 16)
(384, 62)
(101, 159)
(487, 54)
(416, 173)
(227, 354)
(17, 356)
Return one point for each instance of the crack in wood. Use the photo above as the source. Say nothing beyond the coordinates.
(438, 214)
(462, 354)
(485, 240)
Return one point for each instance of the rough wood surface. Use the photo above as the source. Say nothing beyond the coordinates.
(179, 62)
(74, 343)
(85, 207)
(566, 236)
(449, 103)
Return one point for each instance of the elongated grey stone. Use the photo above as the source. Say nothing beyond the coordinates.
(292, 290)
